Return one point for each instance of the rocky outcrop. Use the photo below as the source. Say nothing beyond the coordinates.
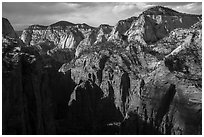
(66, 35)
(61, 36)
(7, 29)
(104, 31)
(173, 78)
(142, 77)
(84, 104)
(120, 28)
(86, 43)
(61, 25)
(152, 25)
(149, 83)
(157, 22)
(92, 38)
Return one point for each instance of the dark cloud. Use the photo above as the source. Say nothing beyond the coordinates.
(169, 3)
(23, 14)
(93, 4)
(34, 9)
(186, 7)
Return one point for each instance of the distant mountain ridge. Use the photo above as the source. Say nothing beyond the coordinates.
(150, 26)
(155, 10)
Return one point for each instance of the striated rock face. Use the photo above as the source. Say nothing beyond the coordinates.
(66, 35)
(142, 76)
(151, 84)
(120, 28)
(104, 31)
(157, 22)
(86, 43)
(62, 36)
(97, 36)
(152, 25)
(169, 85)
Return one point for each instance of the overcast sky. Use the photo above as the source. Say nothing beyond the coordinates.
(22, 15)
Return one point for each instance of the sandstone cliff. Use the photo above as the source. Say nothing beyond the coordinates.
(142, 76)
(157, 22)
(149, 85)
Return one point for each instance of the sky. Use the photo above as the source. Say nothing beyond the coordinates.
(24, 14)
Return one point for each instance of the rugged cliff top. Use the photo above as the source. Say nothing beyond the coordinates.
(160, 10)
(62, 23)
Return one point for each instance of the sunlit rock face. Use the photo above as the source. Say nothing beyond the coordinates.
(151, 26)
(103, 33)
(157, 22)
(62, 36)
(66, 35)
(156, 86)
(142, 76)
(121, 27)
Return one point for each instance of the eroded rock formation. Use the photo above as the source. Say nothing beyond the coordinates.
(142, 76)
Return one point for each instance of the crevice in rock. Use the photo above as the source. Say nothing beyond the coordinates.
(165, 104)
(124, 91)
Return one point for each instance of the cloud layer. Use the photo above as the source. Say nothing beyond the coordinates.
(21, 15)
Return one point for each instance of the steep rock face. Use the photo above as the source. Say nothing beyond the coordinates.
(69, 40)
(32, 34)
(106, 65)
(177, 38)
(84, 103)
(91, 112)
(63, 37)
(152, 25)
(66, 35)
(157, 22)
(120, 28)
(104, 31)
(156, 85)
(7, 29)
(86, 43)
(26, 37)
(92, 38)
(173, 79)
(32, 104)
